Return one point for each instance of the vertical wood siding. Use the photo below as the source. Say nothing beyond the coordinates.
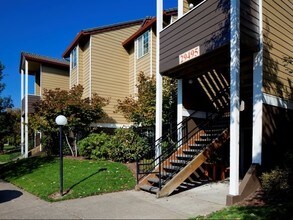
(278, 43)
(110, 68)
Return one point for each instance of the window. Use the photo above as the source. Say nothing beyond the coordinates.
(143, 45)
(73, 58)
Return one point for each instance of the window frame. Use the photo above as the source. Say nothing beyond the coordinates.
(143, 44)
(74, 58)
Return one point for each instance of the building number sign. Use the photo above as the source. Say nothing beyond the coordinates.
(189, 55)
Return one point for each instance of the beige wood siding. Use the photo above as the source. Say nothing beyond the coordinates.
(73, 76)
(86, 70)
(80, 66)
(278, 43)
(131, 70)
(110, 68)
(53, 78)
(154, 51)
(185, 6)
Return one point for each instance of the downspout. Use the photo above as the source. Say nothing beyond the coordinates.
(159, 90)
(258, 96)
(234, 94)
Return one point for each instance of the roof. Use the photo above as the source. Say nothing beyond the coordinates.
(84, 34)
(43, 59)
(148, 23)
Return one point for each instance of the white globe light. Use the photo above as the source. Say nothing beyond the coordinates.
(61, 120)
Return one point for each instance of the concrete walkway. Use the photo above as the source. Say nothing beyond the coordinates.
(18, 204)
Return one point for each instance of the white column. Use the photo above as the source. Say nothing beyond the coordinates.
(159, 89)
(179, 83)
(257, 97)
(179, 108)
(234, 95)
(26, 111)
(180, 8)
(22, 119)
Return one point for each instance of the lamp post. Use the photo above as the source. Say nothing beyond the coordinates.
(61, 120)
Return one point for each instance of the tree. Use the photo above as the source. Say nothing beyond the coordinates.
(140, 109)
(80, 113)
(5, 102)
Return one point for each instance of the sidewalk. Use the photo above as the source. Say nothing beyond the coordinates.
(18, 204)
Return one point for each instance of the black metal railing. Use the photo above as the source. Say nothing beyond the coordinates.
(172, 144)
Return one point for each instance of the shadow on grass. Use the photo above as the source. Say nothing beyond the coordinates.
(8, 195)
(84, 179)
(21, 167)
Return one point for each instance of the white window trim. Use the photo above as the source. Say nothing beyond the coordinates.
(138, 46)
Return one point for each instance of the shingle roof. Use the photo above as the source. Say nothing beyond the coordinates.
(43, 59)
(84, 34)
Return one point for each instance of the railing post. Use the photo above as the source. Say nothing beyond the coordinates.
(160, 174)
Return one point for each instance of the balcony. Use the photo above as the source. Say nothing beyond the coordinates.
(203, 34)
(31, 100)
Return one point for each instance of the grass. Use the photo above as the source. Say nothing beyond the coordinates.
(41, 177)
(268, 212)
(10, 153)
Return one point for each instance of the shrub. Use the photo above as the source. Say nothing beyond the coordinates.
(127, 145)
(95, 146)
(275, 183)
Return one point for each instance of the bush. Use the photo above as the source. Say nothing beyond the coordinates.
(95, 146)
(127, 145)
(276, 183)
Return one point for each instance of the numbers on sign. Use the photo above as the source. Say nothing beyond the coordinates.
(189, 55)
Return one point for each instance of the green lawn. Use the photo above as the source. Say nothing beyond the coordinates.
(268, 212)
(10, 153)
(41, 177)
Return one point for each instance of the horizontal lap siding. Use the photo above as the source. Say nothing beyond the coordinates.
(143, 65)
(73, 77)
(80, 66)
(206, 26)
(53, 78)
(31, 100)
(154, 51)
(86, 70)
(131, 70)
(278, 43)
(249, 22)
(110, 68)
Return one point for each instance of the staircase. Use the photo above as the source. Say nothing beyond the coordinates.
(183, 153)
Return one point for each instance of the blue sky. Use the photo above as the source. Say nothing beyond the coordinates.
(47, 27)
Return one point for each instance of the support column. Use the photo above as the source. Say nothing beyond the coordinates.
(179, 108)
(179, 84)
(234, 96)
(22, 119)
(159, 84)
(26, 112)
(257, 97)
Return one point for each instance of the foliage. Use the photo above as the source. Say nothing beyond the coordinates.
(124, 146)
(95, 146)
(288, 63)
(140, 109)
(127, 145)
(40, 176)
(269, 212)
(276, 183)
(5, 102)
(80, 113)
